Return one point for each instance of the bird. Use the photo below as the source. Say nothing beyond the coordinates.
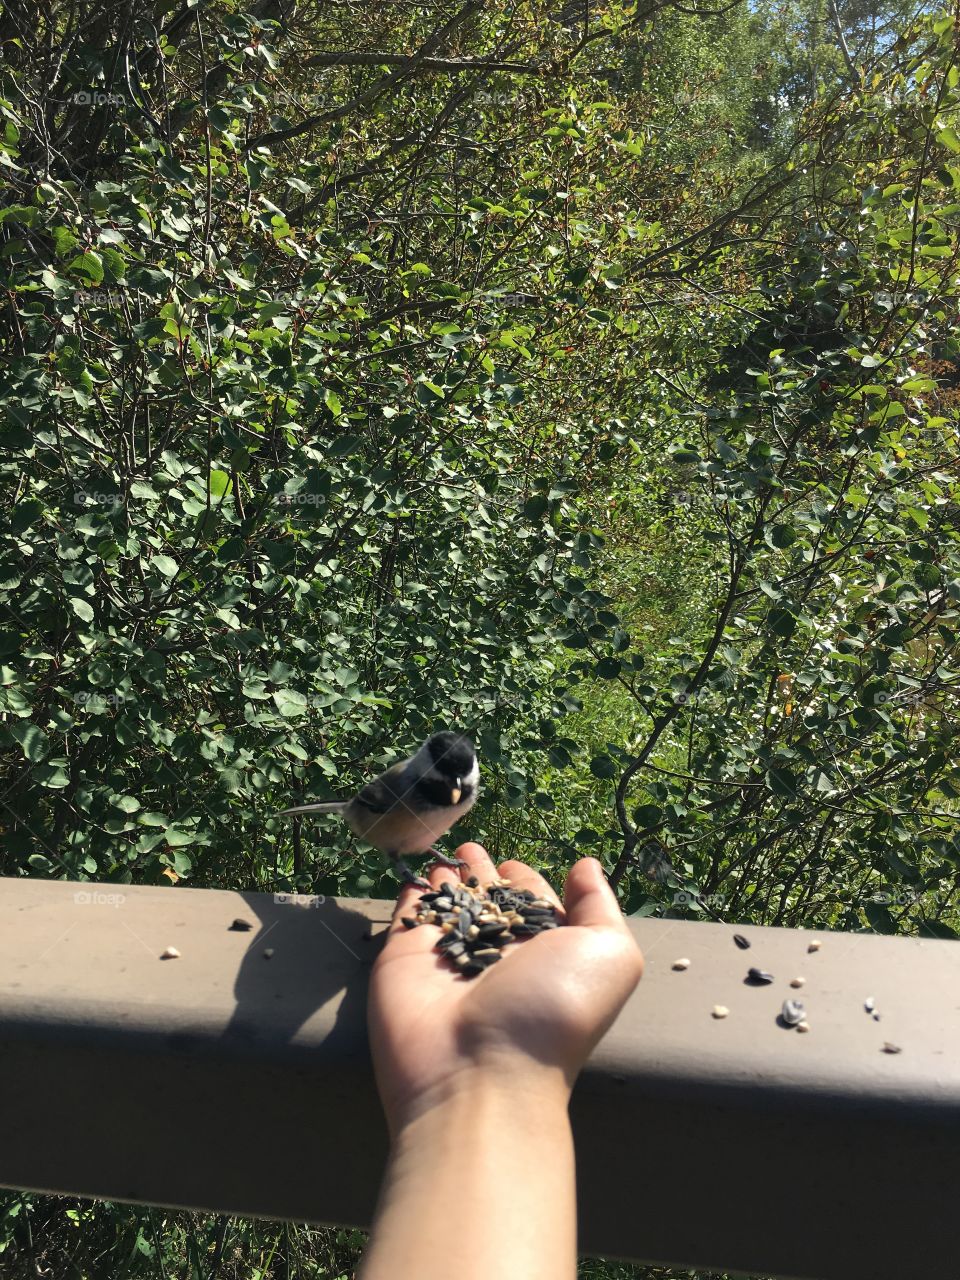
(413, 803)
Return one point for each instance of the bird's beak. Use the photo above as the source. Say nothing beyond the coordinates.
(456, 792)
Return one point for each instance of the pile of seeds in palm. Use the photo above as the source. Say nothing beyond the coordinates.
(476, 923)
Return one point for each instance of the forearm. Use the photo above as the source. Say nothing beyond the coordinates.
(480, 1184)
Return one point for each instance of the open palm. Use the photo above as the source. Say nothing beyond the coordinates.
(545, 1005)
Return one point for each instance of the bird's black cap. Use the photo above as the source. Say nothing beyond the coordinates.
(452, 754)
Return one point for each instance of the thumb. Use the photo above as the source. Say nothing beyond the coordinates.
(588, 898)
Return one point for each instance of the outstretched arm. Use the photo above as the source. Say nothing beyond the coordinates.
(475, 1076)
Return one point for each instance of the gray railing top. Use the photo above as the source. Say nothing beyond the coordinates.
(235, 1080)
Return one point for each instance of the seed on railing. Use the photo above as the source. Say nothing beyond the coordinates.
(759, 976)
(815, 945)
(792, 1012)
(682, 963)
(869, 1004)
(803, 1026)
(797, 982)
(742, 942)
(241, 926)
(268, 953)
(170, 953)
(891, 1048)
(720, 1010)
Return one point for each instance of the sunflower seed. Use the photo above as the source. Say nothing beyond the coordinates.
(170, 953)
(720, 1010)
(792, 1012)
(268, 953)
(876, 1017)
(489, 931)
(682, 963)
(742, 942)
(891, 1048)
(797, 982)
(473, 882)
(759, 976)
(241, 926)
(869, 1004)
(815, 945)
(803, 1026)
(408, 922)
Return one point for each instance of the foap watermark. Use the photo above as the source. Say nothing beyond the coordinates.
(682, 698)
(688, 898)
(96, 98)
(85, 497)
(518, 299)
(97, 898)
(301, 499)
(889, 898)
(98, 297)
(686, 99)
(98, 700)
(299, 899)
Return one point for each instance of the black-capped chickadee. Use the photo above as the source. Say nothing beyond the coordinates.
(412, 803)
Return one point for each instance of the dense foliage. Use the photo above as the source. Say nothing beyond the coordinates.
(584, 378)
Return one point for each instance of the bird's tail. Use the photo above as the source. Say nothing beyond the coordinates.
(330, 806)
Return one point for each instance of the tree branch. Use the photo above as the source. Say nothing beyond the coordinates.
(379, 87)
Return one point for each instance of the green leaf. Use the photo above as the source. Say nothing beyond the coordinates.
(88, 264)
(880, 917)
(646, 816)
(126, 804)
(33, 741)
(603, 767)
(165, 565)
(290, 703)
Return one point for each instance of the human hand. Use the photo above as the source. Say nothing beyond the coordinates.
(530, 1021)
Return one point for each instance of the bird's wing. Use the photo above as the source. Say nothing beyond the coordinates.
(382, 793)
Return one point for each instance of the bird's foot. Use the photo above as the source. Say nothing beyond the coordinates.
(446, 860)
(408, 876)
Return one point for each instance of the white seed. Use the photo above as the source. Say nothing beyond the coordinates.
(170, 953)
(814, 946)
(803, 1026)
(268, 953)
(797, 982)
(891, 1048)
(682, 963)
(720, 1010)
(869, 1004)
